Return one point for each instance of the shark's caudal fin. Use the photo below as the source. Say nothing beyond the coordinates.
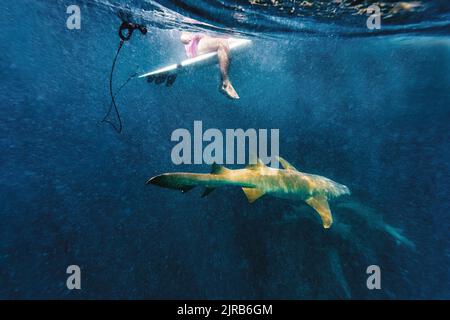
(185, 181)
(171, 181)
(320, 204)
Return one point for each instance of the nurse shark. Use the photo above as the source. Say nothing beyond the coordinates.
(258, 179)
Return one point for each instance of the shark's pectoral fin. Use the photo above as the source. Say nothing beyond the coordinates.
(320, 204)
(207, 191)
(253, 194)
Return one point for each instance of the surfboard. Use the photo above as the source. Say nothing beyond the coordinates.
(172, 70)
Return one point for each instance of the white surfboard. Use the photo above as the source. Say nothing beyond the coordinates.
(196, 61)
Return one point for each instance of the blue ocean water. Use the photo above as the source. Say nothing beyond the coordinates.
(369, 109)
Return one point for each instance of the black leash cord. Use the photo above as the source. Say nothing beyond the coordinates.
(130, 27)
(113, 99)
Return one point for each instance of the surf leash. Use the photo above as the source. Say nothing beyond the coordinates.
(126, 30)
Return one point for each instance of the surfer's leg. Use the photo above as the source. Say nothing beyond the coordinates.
(208, 44)
(223, 53)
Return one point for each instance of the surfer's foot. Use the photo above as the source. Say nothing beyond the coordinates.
(228, 89)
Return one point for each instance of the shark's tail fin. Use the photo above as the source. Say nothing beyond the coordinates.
(177, 181)
(184, 181)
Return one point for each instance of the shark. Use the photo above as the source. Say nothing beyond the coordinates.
(257, 180)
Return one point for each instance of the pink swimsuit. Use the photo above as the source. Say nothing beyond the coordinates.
(192, 46)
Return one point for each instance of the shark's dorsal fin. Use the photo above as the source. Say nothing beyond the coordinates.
(259, 164)
(217, 168)
(253, 194)
(320, 204)
(286, 165)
